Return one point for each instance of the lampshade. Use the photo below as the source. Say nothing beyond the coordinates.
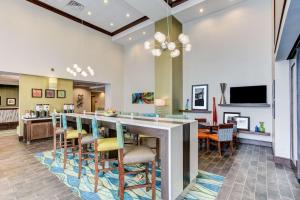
(52, 83)
(159, 102)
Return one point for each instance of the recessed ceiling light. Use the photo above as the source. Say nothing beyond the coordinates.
(89, 13)
(201, 10)
(144, 32)
(111, 24)
(127, 15)
(130, 38)
(105, 1)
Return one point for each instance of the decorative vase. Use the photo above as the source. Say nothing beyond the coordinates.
(223, 88)
(214, 113)
(187, 104)
(256, 129)
(262, 128)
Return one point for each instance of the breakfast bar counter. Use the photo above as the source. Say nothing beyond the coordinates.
(179, 147)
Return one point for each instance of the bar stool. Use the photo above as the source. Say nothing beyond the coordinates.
(102, 146)
(57, 131)
(135, 155)
(202, 132)
(69, 135)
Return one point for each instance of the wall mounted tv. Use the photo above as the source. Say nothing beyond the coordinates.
(248, 94)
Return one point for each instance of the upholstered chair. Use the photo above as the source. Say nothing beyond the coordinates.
(224, 135)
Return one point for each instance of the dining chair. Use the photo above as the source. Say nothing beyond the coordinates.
(235, 136)
(224, 135)
(69, 136)
(202, 132)
(135, 155)
(57, 131)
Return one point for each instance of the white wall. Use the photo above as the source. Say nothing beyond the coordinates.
(233, 46)
(282, 108)
(34, 39)
(138, 76)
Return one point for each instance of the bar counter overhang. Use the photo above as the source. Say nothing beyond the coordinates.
(178, 151)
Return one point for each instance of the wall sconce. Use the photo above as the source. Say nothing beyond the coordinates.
(159, 102)
(52, 83)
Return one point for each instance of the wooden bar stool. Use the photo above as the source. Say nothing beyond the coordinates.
(135, 155)
(101, 147)
(69, 136)
(203, 132)
(57, 131)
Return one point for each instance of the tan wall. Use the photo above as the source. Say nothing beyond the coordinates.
(28, 82)
(100, 105)
(8, 91)
(86, 99)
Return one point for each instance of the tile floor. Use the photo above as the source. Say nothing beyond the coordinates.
(250, 174)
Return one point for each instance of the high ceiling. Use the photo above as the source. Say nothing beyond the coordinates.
(127, 18)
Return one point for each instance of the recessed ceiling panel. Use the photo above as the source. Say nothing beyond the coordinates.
(110, 16)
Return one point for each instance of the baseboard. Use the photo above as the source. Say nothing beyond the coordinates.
(283, 161)
(255, 142)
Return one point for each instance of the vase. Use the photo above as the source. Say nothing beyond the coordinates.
(262, 128)
(214, 113)
(187, 104)
(223, 88)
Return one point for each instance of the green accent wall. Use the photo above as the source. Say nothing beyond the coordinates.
(168, 71)
(9, 91)
(27, 103)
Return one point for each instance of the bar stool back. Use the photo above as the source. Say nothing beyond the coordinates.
(57, 131)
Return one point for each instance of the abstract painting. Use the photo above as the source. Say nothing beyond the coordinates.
(143, 98)
(49, 93)
(61, 93)
(36, 93)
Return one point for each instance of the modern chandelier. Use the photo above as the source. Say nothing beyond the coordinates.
(78, 70)
(163, 43)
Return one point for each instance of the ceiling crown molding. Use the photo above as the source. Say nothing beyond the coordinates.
(85, 23)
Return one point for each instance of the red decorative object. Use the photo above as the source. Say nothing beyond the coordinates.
(214, 113)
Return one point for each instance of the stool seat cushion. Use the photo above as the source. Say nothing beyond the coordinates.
(59, 131)
(138, 154)
(87, 139)
(73, 134)
(108, 144)
(213, 137)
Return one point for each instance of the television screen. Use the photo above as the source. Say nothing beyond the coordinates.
(248, 94)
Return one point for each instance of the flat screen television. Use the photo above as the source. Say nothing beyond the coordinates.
(248, 94)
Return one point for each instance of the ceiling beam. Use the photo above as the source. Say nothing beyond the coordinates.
(85, 23)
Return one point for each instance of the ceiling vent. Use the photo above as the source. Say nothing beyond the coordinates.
(74, 5)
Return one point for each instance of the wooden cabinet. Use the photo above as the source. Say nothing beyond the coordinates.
(37, 129)
(41, 130)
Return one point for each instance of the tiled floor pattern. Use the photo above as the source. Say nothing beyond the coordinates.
(251, 174)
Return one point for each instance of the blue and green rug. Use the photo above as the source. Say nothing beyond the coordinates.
(207, 185)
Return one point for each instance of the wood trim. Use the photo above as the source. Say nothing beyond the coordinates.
(186, 155)
(175, 3)
(128, 26)
(280, 23)
(85, 23)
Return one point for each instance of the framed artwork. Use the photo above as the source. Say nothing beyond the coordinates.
(200, 97)
(49, 93)
(243, 123)
(61, 93)
(143, 98)
(36, 93)
(228, 117)
(11, 101)
(0, 100)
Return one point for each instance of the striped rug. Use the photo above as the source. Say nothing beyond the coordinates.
(206, 187)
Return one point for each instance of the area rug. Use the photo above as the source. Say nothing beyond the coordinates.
(206, 187)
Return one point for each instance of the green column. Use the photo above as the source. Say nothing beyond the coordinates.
(168, 70)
